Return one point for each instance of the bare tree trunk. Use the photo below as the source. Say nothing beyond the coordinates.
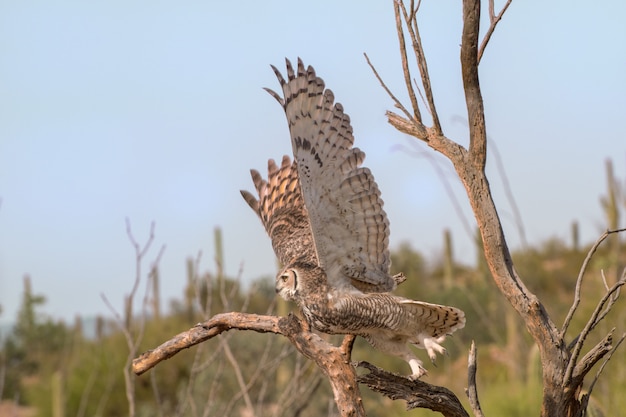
(563, 374)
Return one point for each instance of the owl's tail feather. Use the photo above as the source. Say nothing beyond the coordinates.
(433, 321)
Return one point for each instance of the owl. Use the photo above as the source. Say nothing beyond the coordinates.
(325, 217)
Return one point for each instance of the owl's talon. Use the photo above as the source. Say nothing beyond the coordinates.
(416, 377)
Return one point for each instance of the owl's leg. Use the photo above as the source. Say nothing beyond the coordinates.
(416, 366)
(398, 346)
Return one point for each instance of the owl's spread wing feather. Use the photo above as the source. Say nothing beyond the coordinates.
(282, 212)
(349, 227)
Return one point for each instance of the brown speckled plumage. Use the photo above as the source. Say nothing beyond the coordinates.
(325, 217)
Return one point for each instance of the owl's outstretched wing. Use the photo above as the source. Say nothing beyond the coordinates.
(349, 227)
(282, 212)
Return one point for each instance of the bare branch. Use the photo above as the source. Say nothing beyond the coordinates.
(413, 128)
(579, 280)
(412, 27)
(493, 20)
(125, 324)
(472, 391)
(204, 331)
(595, 318)
(397, 102)
(590, 359)
(238, 374)
(606, 360)
(473, 96)
(405, 62)
(417, 394)
(414, 9)
(157, 395)
(612, 299)
(194, 371)
(139, 252)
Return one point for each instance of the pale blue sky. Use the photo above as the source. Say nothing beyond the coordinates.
(155, 111)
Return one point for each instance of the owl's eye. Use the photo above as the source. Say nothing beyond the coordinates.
(288, 277)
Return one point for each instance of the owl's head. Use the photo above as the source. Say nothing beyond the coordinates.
(298, 281)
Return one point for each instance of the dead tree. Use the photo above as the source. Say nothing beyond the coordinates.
(564, 370)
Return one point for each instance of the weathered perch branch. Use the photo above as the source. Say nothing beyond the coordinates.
(333, 361)
(205, 331)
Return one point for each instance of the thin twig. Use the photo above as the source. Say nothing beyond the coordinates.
(382, 83)
(606, 360)
(613, 299)
(156, 394)
(419, 91)
(593, 321)
(405, 62)
(139, 252)
(493, 19)
(495, 332)
(193, 373)
(133, 341)
(472, 390)
(297, 393)
(589, 360)
(579, 280)
(414, 9)
(239, 375)
(418, 50)
(209, 406)
(84, 397)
